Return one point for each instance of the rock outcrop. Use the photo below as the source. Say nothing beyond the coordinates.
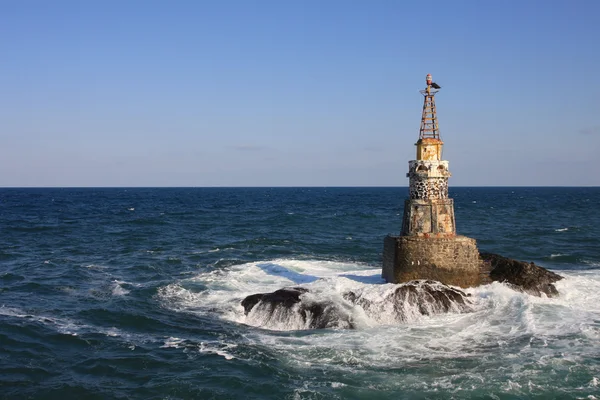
(287, 307)
(300, 308)
(520, 275)
(414, 298)
(285, 297)
(296, 308)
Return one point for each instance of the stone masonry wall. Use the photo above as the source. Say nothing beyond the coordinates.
(389, 258)
(428, 179)
(428, 217)
(423, 187)
(450, 260)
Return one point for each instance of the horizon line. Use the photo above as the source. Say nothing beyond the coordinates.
(288, 187)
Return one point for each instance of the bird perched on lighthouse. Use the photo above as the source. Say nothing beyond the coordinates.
(430, 82)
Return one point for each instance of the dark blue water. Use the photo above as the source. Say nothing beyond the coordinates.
(134, 293)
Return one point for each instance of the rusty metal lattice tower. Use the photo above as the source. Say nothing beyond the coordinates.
(429, 121)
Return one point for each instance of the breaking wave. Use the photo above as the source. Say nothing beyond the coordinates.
(222, 291)
(497, 327)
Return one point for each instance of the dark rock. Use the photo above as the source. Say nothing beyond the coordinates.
(285, 305)
(290, 307)
(322, 315)
(520, 275)
(420, 297)
(285, 297)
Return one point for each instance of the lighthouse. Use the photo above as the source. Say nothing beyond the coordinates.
(428, 246)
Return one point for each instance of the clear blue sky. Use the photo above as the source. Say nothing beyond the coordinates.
(295, 93)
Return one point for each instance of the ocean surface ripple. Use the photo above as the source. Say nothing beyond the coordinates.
(135, 293)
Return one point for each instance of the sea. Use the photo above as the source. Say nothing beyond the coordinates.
(134, 293)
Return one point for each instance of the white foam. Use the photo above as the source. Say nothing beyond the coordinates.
(62, 325)
(12, 312)
(561, 229)
(504, 324)
(68, 326)
(592, 263)
(94, 266)
(213, 250)
(112, 332)
(218, 348)
(224, 289)
(173, 342)
(117, 288)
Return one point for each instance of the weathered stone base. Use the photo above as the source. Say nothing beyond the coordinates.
(450, 260)
(428, 217)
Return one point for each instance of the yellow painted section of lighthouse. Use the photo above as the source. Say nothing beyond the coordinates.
(429, 149)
